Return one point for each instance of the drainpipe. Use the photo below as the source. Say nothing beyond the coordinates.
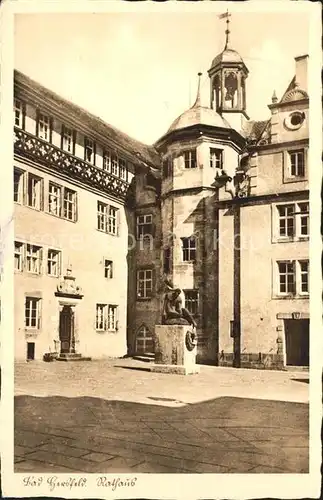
(236, 285)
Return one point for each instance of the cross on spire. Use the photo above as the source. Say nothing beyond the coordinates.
(226, 16)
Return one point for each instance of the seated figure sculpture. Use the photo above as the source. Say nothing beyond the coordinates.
(173, 312)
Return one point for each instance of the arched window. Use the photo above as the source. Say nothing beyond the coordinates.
(144, 341)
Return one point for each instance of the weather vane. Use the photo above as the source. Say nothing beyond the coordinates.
(226, 16)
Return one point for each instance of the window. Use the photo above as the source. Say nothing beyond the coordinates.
(216, 158)
(144, 341)
(32, 313)
(62, 202)
(144, 283)
(293, 221)
(167, 167)
(304, 274)
(297, 163)
(107, 218)
(19, 247)
(44, 127)
(33, 259)
(286, 277)
(108, 268)
(293, 278)
(89, 150)
(54, 199)
(112, 317)
(102, 216)
(113, 220)
(190, 158)
(34, 191)
(69, 204)
(303, 218)
(67, 139)
(189, 249)
(144, 225)
(167, 260)
(122, 169)
(106, 317)
(114, 165)
(19, 113)
(107, 161)
(18, 185)
(101, 317)
(53, 262)
(191, 301)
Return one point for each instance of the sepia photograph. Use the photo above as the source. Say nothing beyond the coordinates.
(160, 257)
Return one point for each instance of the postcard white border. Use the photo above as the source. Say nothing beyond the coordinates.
(233, 486)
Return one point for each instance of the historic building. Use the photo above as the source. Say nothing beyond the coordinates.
(219, 206)
(72, 174)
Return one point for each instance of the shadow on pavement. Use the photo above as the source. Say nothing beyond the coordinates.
(304, 380)
(225, 434)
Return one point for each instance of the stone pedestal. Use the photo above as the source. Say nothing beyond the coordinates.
(174, 350)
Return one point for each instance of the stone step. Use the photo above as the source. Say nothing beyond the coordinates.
(147, 358)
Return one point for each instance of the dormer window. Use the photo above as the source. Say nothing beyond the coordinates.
(190, 158)
(89, 150)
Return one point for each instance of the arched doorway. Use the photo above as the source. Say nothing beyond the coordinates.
(144, 341)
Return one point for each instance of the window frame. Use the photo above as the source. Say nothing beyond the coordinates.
(37, 301)
(108, 269)
(71, 136)
(218, 163)
(21, 185)
(48, 122)
(89, 142)
(110, 221)
(297, 273)
(58, 263)
(191, 300)
(22, 113)
(300, 217)
(30, 251)
(140, 226)
(188, 250)
(287, 165)
(40, 195)
(144, 280)
(21, 245)
(108, 311)
(190, 159)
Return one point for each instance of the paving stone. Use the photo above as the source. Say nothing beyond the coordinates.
(39, 467)
(98, 457)
(265, 469)
(62, 449)
(73, 463)
(149, 467)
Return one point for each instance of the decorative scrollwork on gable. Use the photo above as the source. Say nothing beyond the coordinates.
(36, 149)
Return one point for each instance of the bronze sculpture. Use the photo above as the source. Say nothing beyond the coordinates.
(173, 311)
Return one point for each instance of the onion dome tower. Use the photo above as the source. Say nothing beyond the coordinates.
(228, 74)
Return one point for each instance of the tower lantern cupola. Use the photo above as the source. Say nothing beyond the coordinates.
(228, 74)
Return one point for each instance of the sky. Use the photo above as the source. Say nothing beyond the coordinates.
(138, 71)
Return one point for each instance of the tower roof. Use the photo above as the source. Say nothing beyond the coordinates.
(228, 55)
(198, 115)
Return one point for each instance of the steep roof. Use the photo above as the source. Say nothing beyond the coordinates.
(142, 151)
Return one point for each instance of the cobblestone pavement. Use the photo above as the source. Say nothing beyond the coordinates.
(110, 417)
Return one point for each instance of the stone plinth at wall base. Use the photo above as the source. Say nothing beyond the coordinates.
(177, 369)
(72, 356)
(253, 360)
(174, 353)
